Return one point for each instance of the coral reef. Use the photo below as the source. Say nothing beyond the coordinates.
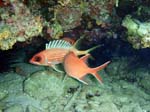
(22, 20)
(138, 32)
(125, 88)
(56, 30)
(30, 88)
(100, 10)
(17, 25)
(143, 13)
(68, 17)
(127, 69)
(68, 14)
(48, 91)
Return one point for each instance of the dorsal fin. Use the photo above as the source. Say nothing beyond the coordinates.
(58, 44)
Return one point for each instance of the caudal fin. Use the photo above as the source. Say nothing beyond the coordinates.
(95, 70)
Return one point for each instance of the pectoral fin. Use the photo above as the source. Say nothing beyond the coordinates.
(81, 80)
(57, 68)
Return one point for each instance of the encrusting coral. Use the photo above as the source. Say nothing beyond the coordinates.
(17, 25)
(70, 13)
(138, 32)
(20, 21)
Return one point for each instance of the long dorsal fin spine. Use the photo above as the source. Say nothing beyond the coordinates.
(58, 44)
(54, 44)
(50, 44)
(46, 45)
(62, 43)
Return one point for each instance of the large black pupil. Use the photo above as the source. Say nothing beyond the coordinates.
(37, 58)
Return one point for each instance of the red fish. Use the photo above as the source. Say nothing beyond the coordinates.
(77, 68)
(55, 52)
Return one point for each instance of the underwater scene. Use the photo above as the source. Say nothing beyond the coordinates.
(74, 56)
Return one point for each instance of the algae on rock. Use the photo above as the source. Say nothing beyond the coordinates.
(49, 91)
(138, 32)
(42, 85)
(19, 26)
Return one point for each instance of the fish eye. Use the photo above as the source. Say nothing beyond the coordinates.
(37, 58)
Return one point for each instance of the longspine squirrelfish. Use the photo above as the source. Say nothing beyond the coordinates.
(77, 68)
(54, 53)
